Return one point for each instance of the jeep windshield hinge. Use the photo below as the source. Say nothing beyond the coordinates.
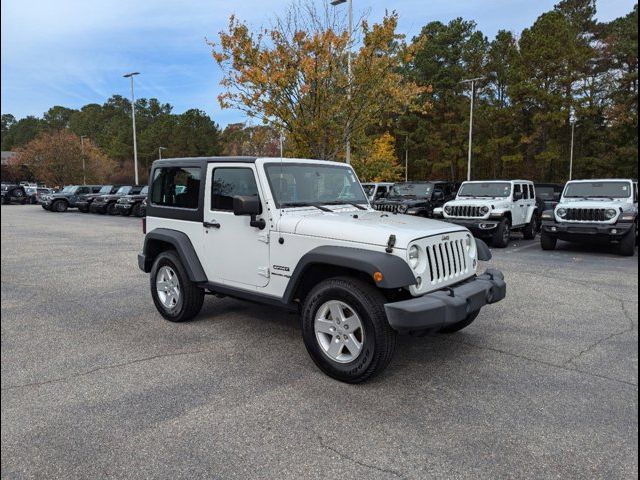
(263, 271)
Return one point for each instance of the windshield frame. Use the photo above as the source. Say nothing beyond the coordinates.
(278, 204)
(462, 195)
(619, 182)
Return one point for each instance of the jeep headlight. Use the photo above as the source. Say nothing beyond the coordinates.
(562, 212)
(610, 214)
(484, 210)
(414, 256)
(448, 209)
(470, 246)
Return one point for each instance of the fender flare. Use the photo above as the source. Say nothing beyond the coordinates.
(395, 271)
(183, 247)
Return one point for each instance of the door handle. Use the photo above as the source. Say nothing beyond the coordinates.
(211, 224)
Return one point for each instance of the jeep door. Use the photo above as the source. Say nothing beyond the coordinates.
(520, 206)
(234, 252)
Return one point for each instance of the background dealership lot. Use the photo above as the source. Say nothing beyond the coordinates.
(95, 383)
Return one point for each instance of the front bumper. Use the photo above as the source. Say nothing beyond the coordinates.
(439, 309)
(124, 207)
(586, 231)
(98, 207)
(477, 226)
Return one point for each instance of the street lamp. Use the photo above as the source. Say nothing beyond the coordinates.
(472, 81)
(335, 3)
(160, 152)
(84, 173)
(572, 120)
(133, 119)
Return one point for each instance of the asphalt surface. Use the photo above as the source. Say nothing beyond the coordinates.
(95, 383)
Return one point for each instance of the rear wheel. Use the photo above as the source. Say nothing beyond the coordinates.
(502, 234)
(531, 230)
(345, 329)
(456, 327)
(547, 242)
(176, 297)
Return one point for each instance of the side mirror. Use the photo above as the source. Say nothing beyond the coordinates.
(249, 205)
(517, 196)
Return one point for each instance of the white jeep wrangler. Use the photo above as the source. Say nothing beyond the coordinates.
(594, 211)
(493, 209)
(301, 234)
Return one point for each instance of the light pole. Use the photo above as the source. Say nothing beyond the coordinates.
(472, 81)
(160, 152)
(84, 172)
(406, 158)
(349, 3)
(572, 121)
(133, 119)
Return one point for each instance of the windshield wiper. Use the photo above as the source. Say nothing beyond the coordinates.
(339, 202)
(305, 204)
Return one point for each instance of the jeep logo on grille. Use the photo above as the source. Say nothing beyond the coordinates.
(445, 238)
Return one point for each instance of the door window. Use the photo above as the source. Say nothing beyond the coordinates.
(229, 182)
(516, 190)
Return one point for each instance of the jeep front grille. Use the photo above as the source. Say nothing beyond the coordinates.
(386, 207)
(444, 261)
(586, 215)
(466, 211)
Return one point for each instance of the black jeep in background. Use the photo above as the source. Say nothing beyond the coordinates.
(107, 203)
(417, 198)
(132, 204)
(68, 197)
(84, 203)
(12, 193)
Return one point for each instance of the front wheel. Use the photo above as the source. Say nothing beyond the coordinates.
(176, 297)
(456, 327)
(627, 246)
(135, 210)
(111, 209)
(548, 242)
(345, 329)
(503, 234)
(59, 206)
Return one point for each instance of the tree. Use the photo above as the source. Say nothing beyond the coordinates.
(379, 163)
(56, 159)
(294, 77)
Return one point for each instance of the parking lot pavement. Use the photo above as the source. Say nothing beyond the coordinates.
(95, 383)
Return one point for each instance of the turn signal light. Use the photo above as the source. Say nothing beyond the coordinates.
(377, 277)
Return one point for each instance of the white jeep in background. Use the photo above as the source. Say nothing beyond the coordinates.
(301, 234)
(494, 209)
(594, 211)
(376, 190)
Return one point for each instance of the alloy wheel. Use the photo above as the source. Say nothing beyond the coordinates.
(339, 331)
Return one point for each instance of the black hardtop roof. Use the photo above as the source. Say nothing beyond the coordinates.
(201, 160)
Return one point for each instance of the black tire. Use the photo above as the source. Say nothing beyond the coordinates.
(456, 327)
(547, 242)
(84, 209)
(111, 209)
(45, 207)
(531, 230)
(191, 296)
(135, 210)
(502, 235)
(627, 246)
(59, 206)
(379, 339)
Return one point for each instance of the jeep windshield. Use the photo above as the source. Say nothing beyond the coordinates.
(598, 190)
(106, 189)
(301, 185)
(69, 189)
(487, 189)
(411, 190)
(123, 191)
(368, 188)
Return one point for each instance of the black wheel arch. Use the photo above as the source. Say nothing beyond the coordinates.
(162, 239)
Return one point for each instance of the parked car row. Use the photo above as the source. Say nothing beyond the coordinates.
(104, 199)
(23, 194)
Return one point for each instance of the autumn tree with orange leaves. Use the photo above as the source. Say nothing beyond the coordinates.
(56, 159)
(293, 76)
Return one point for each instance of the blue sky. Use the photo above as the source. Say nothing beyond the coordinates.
(72, 52)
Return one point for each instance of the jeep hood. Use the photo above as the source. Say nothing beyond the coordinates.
(370, 227)
(461, 202)
(589, 203)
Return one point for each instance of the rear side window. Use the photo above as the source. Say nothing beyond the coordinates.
(532, 191)
(229, 182)
(176, 187)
